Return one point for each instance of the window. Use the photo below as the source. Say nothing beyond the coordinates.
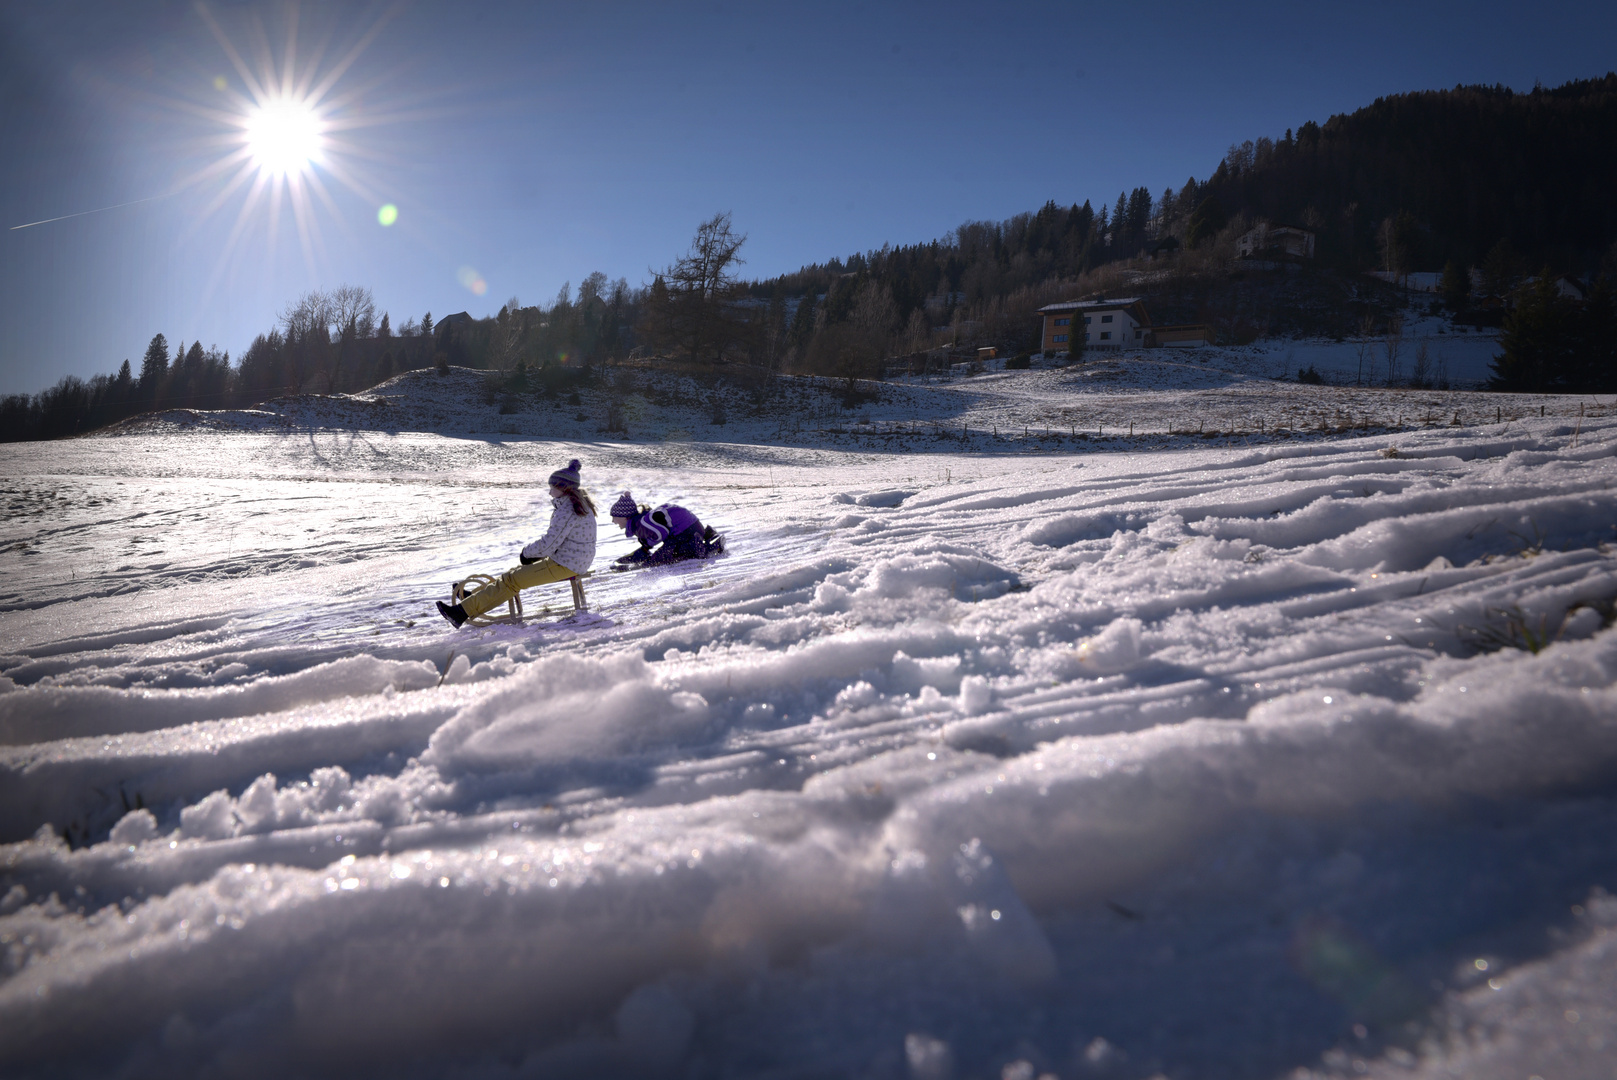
(1086, 320)
(1059, 337)
(1106, 335)
(1063, 322)
(1105, 318)
(1136, 333)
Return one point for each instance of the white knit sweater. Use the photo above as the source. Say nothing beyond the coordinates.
(570, 540)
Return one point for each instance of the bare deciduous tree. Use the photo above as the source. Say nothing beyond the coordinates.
(1365, 344)
(352, 311)
(1421, 376)
(311, 312)
(1393, 342)
(700, 285)
(346, 312)
(874, 314)
(918, 333)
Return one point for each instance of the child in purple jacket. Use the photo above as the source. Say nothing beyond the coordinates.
(667, 534)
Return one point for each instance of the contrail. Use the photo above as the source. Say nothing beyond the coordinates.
(97, 210)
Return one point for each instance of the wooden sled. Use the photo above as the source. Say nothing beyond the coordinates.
(459, 590)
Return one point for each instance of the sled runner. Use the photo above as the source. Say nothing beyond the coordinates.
(460, 589)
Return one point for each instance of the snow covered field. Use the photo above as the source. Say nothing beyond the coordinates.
(1463, 355)
(1001, 744)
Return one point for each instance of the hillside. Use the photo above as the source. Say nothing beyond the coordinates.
(1473, 166)
(1157, 399)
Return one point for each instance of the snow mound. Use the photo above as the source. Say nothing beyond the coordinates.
(564, 709)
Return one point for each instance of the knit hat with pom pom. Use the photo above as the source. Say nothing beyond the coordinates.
(568, 477)
(624, 507)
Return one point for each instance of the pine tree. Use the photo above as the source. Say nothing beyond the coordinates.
(1455, 287)
(1538, 345)
(1138, 215)
(1205, 222)
(802, 321)
(1501, 269)
(1595, 364)
(656, 317)
(154, 368)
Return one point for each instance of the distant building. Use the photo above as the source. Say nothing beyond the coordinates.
(1187, 336)
(1165, 248)
(1571, 288)
(1566, 286)
(460, 320)
(1275, 243)
(1415, 281)
(1113, 324)
(1104, 324)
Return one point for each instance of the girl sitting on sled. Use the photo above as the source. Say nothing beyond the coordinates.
(667, 534)
(566, 550)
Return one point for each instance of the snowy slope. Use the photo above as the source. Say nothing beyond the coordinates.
(981, 754)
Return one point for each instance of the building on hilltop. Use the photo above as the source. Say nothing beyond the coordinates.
(460, 320)
(1275, 243)
(1112, 324)
(1164, 248)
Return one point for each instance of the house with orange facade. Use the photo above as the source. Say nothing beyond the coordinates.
(1112, 324)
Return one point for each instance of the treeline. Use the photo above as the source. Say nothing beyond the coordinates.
(201, 378)
(335, 342)
(324, 342)
(1554, 343)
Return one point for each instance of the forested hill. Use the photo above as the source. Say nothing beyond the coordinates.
(1472, 166)
(1449, 174)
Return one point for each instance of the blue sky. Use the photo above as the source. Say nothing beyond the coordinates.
(534, 143)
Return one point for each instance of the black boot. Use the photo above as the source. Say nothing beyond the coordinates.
(456, 614)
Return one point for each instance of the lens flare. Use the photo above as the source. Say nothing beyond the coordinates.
(387, 214)
(472, 281)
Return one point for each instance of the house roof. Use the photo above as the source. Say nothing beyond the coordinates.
(1091, 305)
(1277, 228)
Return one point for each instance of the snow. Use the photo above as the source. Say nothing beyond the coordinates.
(1000, 743)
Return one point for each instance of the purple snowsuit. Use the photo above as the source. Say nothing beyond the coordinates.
(674, 527)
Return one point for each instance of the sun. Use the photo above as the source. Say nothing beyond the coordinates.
(285, 132)
(285, 137)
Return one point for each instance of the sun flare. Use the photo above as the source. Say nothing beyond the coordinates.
(284, 137)
(286, 133)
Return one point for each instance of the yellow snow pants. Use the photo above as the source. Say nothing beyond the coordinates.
(512, 582)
